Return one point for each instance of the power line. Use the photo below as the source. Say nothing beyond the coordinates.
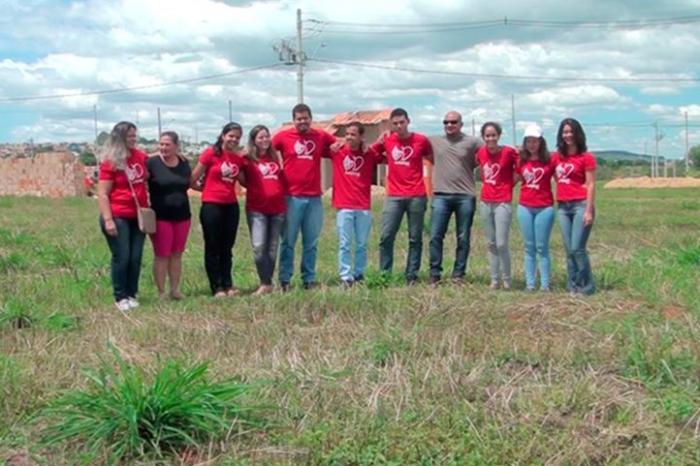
(344, 27)
(502, 76)
(137, 88)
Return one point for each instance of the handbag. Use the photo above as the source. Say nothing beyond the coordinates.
(145, 216)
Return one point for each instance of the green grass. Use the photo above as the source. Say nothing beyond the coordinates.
(380, 373)
(123, 415)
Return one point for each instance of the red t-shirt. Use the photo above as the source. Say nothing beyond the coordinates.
(301, 153)
(121, 200)
(497, 174)
(220, 179)
(352, 178)
(536, 185)
(570, 172)
(265, 186)
(404, 158)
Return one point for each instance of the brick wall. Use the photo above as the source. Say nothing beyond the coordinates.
(51, 174)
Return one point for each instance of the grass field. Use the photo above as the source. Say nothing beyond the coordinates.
(379, 374)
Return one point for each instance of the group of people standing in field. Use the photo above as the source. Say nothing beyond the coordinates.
(282, 177)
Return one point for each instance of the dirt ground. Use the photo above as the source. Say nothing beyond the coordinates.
(648, 182)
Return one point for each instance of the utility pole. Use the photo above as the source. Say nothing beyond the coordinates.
(512, 113)
(651, 165)
(94, 116)
(160, 129)
(687, 150)
(300, 61)
(294, 56)
(230, 111)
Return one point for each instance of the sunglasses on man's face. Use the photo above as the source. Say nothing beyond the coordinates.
(450, 122)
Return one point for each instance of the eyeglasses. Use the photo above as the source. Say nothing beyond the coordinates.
(451, 122)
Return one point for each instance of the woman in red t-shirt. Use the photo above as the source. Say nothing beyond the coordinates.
(265, 202)
(497, 172)
(220, 165)
(535, 211)
(574, 168)
(122, 180)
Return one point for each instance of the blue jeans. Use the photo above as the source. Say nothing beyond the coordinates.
(575, 236)
(352, 223)
(394, 208)
(536, 226)
(127, 250)
(265, 237)
(442, 208)
(304, 214)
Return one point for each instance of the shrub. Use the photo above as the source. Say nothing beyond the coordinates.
(120, 415)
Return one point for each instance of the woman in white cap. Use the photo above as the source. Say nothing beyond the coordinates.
(535, 209)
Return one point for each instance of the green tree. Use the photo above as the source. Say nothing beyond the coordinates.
(88, 159)
(695, 156)
(102, 138)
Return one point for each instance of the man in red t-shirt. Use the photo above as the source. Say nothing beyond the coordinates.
(405, 191)
(353, 167)
(302, 148)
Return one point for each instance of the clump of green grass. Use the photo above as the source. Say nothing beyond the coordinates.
(383, 349)
(12, 262)
(124, 413)
(689, 256)
(656, 361)
(16, 314)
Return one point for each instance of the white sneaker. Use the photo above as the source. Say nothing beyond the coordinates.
(123, 305)
(133, 304)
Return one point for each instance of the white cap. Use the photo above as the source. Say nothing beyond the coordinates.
(533, 131)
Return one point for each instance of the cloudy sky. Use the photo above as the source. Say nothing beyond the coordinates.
(618, 66)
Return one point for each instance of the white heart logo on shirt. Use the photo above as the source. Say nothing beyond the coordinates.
(563, 171)
(134, 172)
(353, 164)
(491, 171)
(304, 147)
(533, 176)
(268, 168)
(402, 154)
(229, 170)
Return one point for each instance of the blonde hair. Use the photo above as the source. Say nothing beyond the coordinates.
(115, 150)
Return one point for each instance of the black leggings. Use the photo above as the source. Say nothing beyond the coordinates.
(219, 225)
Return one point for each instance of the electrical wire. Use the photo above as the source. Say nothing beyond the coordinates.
(505, 76)
(137, 88)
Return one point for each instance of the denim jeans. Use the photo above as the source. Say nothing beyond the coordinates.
(536, 227)
(442, 208)
(352, 223)
(265, 237)
(304, 214)
(575, 236)
(394, 208)
(127, 250)
(496, 217)
(219, 227)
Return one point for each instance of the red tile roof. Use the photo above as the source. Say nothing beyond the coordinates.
(366, 117)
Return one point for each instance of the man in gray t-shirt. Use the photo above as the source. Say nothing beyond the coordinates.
(454, 190)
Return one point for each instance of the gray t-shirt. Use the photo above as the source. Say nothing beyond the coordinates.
(455, 160)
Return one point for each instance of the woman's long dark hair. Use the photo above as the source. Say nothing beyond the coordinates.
(542, 155)
(218, 145)
(579, 137)
(252, 151)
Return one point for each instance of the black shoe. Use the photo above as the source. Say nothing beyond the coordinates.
(347, 283)
(310, 285)
(411, 281)
(434, 282)
(284, 286)
(359, 278)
